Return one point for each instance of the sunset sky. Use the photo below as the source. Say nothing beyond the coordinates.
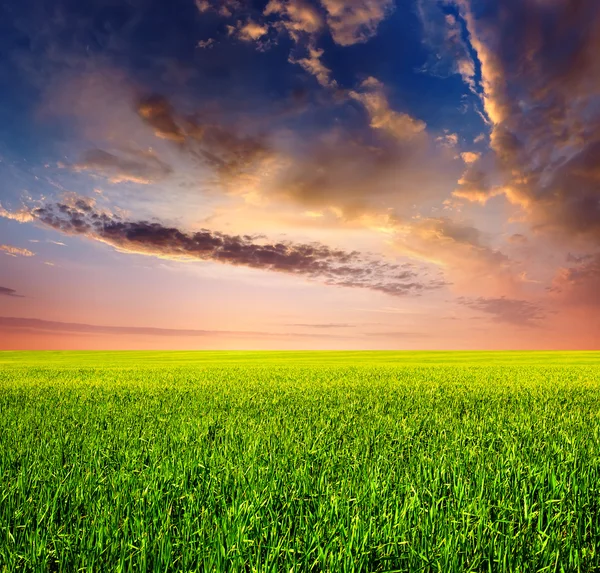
(417, 174)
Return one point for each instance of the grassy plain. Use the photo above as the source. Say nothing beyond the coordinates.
(301, 461)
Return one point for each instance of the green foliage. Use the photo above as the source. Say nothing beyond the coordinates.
(310, 464)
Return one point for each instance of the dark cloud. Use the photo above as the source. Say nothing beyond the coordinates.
(541, 92)
(5, 291)
(136, 167)
(230, 153)
(315, 261)
(157, 112)
(508, 310)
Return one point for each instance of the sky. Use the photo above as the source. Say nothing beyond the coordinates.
(295, 174)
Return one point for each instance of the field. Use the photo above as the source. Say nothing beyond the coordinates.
(278, 462)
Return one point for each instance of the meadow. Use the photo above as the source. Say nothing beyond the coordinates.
(299, 461)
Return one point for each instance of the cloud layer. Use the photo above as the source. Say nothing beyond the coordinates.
(128, 166)
(50, 326)
(314, 261)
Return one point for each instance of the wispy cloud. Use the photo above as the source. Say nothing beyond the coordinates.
(50, 326)
(128, 166)
(5, 291)
(507, 310)
(461, 249)
(323, 325)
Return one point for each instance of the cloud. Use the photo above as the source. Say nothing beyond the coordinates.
(16, 251)
(234, 156)
(130, 166)
(225, 8)
(399, 125)
(354, 177)
(248, 31)
(326, 325)
(571, 258)
(470, 157)
(313, 261)
(349, 21)
(5, 291)
(447, 139)
(206, 44)
(355, 21)
(302, 22)
(474, 185)
(340, 169)
(399, 334)
(578, 285)
(296, 16)
(507, 310)
(313, 65)
(35, 325)
(21, 215)
(460, 249)
(540, 87)
(158, 113)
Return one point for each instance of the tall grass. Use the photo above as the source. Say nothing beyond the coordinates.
(275, 467)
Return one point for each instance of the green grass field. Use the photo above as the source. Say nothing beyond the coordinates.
(300, 461)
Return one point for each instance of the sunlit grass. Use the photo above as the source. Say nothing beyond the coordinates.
(259, 462)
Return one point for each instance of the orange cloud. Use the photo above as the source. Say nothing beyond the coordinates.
(296, 16)
(470, 156)
(16, 251)
(249, 31)
(355, 21)
(398, 125)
